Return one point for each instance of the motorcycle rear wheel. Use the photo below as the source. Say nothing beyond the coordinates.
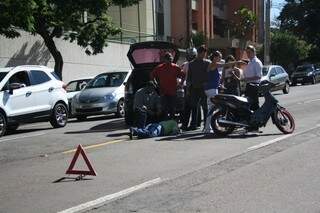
(221, 130)
(284, 121)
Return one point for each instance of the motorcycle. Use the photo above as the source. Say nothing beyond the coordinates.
(232, 112)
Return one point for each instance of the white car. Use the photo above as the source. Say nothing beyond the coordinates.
(31, 93)
(103, 95)
(74, 87)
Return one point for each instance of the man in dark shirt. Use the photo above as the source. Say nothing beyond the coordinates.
(167, 75)
(146, 105)
(196, 79)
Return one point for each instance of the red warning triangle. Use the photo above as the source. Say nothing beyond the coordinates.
(70, 170)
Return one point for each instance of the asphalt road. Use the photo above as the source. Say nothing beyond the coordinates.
(267, 172)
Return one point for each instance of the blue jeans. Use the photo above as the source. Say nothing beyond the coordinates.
(150, 131)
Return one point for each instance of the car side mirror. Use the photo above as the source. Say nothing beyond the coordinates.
(14, 86)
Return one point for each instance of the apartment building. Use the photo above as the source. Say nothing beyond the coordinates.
(212, 18)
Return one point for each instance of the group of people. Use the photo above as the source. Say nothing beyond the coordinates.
(201, 78)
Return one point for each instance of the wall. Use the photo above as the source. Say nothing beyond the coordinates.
(30, 49)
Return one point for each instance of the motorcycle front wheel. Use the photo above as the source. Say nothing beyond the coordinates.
(221, 129)
(284, 121)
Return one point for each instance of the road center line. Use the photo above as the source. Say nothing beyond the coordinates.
(27, 136)
(95, 146)
(111, 196)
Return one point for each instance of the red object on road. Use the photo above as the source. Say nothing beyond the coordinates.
(71, 171)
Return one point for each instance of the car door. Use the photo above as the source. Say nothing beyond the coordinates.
(43, 88)
(20, 101)
(273, 77)
(281, 76)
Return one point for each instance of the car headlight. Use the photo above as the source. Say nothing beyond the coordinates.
(309, 74)
(109, 97)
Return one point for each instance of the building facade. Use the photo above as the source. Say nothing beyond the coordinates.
(212, 19)
(167, 20)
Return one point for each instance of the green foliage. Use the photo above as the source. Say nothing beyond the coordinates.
(302, 18)
(245, 23)
(61, 19)
(287, 48)
(198, 39)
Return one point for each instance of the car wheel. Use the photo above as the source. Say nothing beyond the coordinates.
(81, 117)
(59, 117)
(286, 88)
(313, 81)
(120, 109)
(3, 124)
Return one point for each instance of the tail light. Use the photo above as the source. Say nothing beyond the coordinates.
(64, 86)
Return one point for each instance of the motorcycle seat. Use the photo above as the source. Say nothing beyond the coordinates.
(237, 100)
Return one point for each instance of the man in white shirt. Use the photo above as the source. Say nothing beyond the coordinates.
(252, 74)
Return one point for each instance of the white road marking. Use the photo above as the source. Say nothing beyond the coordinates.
(279, 139)
(269, 142)
(122, 193)
(21, 137)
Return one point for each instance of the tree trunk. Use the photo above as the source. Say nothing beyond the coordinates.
(48, 40)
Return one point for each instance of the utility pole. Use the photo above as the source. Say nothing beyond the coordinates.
(267, 34)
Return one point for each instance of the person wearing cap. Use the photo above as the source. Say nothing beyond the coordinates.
(252, 75)
(167, 75)
(146, 105)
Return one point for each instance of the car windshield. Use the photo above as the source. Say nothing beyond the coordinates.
(2, 75)
(265, 71)
(112, 79)
(304, 69)
(77, 85)
(144, 56)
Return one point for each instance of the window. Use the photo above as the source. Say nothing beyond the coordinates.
(273, 72)
(39, 77)
(108, 80)
(21, 78)
(280, 70)
(160, 17)
(72, 86)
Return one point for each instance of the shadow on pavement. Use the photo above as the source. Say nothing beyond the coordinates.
(93, 118)
(70, 179)
(111, 126)
(23, 131)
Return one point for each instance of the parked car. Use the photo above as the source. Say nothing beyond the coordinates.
(103, 95)
(144, 57)
(30, 94)
(308, 73)
(277, 75)
(74, 87)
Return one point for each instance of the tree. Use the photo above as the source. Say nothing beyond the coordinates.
(287, 49)
(244, 24)
(198, 39)
(302, 18)
(61, 19)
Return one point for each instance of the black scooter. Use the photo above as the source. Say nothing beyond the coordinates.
(231, 112)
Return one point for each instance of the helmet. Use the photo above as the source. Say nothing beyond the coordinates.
(191, 53)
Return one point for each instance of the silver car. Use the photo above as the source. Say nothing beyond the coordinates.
(103, 95)
(277, 75)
